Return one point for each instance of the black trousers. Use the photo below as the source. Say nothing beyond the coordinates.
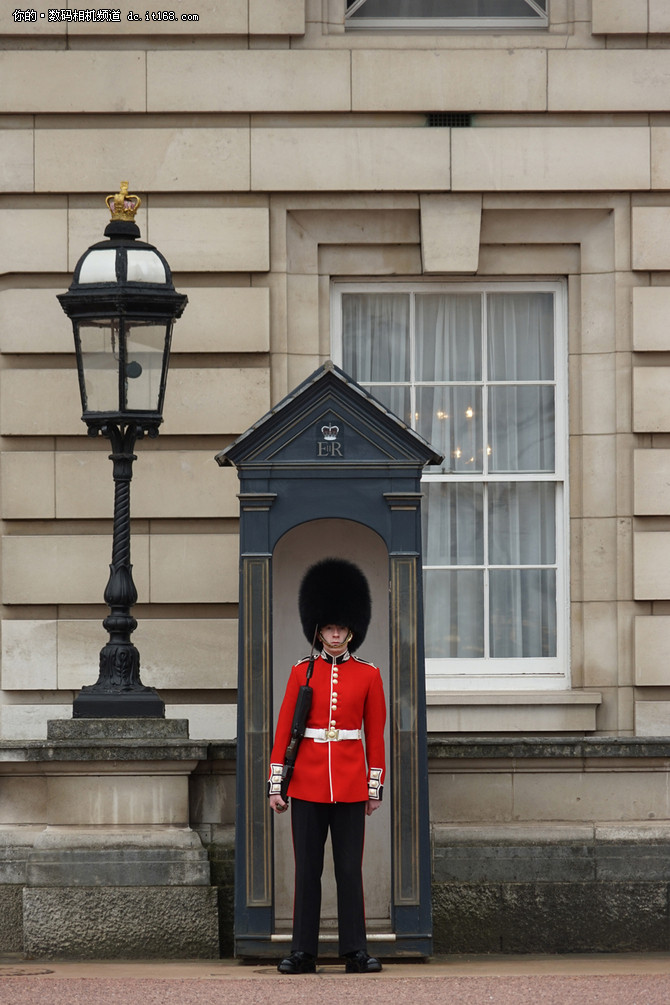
(310, 823)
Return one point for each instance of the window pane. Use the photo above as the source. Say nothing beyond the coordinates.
(395, 398)
(521, 336)
(375, 336)
(522, 523)
(453, 523)
(454, 613)
(448, 337)
(522, 613)
(521, 428)
(450, 418)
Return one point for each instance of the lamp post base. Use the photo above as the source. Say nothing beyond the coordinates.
(144, 704)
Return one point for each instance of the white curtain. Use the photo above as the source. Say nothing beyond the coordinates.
(475, 378)
(520, 347)
(453, 537)
(522, 532)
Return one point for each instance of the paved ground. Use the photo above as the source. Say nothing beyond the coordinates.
(630, 979)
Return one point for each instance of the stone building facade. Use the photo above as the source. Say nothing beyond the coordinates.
(299, 168)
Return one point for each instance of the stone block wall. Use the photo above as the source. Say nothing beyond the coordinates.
(550, 846)
(97, 858)
(586, 869)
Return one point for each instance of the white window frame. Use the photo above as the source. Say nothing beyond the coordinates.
(481, 23)
(488, 673)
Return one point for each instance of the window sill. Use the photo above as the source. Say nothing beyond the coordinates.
(512, 712)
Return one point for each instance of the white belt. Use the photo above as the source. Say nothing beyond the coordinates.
(328, 734)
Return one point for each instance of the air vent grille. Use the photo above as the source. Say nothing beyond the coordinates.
(449, 120)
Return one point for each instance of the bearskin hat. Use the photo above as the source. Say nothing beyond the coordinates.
(335, 592)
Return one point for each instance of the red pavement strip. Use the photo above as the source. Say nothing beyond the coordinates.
(629, 979)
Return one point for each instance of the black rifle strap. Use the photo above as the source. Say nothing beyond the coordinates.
(312, 657)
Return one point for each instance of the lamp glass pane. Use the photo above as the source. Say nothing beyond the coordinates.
(99, 342)
(146, 347)
(145, 267)
(99, 267)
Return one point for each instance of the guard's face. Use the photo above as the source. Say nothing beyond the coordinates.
(334, 638)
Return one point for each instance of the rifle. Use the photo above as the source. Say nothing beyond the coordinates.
(302, 707)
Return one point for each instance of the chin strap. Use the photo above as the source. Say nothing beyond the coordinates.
(341, 646)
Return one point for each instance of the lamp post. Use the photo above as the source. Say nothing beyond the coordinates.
(122, 305)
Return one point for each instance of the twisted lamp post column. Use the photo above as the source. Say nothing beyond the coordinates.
(119, 689)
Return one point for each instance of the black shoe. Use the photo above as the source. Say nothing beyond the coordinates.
(361, 963)
(298, 963)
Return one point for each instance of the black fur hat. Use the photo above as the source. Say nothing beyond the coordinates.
(335, 592)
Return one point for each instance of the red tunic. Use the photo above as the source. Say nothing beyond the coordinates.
(347, 695)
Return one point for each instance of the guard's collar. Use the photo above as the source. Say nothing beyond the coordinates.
(335, 660)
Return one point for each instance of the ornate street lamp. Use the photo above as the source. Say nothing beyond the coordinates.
(123, 305)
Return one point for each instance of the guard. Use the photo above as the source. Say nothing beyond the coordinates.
(335, 780)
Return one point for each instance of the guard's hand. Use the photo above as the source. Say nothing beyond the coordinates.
(277, 804)
(373, 804)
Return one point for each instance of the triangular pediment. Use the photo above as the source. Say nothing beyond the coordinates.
(329, 420)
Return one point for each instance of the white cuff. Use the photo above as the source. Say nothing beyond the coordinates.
(274, 782)
(375, 783)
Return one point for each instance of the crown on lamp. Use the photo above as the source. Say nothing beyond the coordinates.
(123, 206)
